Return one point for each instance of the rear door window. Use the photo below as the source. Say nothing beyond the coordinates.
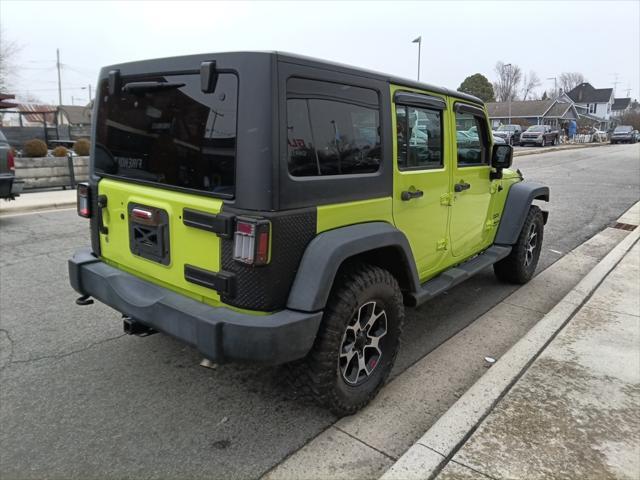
(419, 137)
(176, 135)
(332, 129)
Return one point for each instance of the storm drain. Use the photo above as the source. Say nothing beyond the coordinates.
(624, 226)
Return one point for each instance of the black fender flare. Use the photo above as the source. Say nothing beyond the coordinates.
(519, 199)
(327, 251)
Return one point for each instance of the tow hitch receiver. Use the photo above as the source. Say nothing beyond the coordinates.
(133, 327)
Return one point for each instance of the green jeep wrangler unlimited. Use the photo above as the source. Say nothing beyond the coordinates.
(274, 208)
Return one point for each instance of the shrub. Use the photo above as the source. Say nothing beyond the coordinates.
(60, 151)
(35, 148)
(81, 147)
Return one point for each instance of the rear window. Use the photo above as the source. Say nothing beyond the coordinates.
(622, 129)
(176, 136)
(332, 129)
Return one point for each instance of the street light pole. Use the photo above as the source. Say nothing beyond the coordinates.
(89, 87)
(509, 92)
(419, 42)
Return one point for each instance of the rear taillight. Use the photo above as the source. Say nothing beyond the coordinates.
(251, 241)
(84, 201)
(11, 161)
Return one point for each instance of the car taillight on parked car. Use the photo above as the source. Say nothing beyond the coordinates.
(11, 163)
(251, 241)
(84, 201)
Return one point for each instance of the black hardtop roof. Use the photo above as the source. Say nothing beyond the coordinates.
(187, 61)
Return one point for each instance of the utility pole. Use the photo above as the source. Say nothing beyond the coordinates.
(555, 85)
(59, 81)
(615, 83)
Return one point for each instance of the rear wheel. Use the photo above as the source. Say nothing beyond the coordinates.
(357, 342)
(521, 263)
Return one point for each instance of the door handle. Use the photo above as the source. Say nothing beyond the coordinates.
(459, 187)
(409, 194)
(102, 203)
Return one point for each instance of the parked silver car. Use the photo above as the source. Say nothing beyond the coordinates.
(509, 133)
(624, 133)
(541, 135)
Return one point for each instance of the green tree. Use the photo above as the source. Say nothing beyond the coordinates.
(479, 86)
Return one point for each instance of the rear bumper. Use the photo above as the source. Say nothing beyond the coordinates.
(9, 186)
(219, 333)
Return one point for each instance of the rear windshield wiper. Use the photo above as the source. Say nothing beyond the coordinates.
(142, 87)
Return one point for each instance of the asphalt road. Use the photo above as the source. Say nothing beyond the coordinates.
(80, 400)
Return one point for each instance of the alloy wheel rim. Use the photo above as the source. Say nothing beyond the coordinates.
(360, 350)
(531, 245)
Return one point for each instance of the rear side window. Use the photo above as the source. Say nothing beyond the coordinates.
(170, 133)
(332, 129)
(419, 136)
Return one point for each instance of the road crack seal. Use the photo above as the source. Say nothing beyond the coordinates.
(55, 357)
(11, 348)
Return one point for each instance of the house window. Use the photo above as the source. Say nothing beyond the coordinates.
(592, 107)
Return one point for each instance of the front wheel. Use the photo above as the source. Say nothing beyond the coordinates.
(357, 342)
(521, 263)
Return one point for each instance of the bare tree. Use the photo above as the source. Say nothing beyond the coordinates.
(567, 81)
(529, 84)
(506, 86)
(9, 49)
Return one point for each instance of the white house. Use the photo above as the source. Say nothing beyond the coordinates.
(596, 102)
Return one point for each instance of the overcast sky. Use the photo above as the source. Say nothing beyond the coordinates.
(598, 38)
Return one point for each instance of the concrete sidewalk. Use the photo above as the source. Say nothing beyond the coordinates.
(572, 411)
(522, 151)
(34, 201)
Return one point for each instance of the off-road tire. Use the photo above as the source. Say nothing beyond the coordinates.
(318, 376)
(514, 268)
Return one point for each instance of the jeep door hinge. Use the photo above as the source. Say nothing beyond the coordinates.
(446, 199)
(441, 244)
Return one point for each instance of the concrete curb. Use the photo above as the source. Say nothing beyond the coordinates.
(537, 151)
(427, 457)
(28, 208)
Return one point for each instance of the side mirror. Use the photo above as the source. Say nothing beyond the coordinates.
(501, 156)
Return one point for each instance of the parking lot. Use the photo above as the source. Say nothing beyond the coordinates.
(79, 399)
